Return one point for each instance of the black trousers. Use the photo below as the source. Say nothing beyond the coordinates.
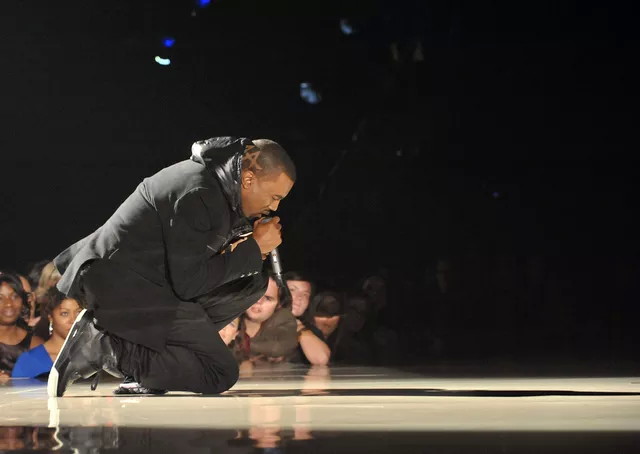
(195, 357)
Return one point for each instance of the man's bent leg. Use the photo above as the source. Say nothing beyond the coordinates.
(195, 358)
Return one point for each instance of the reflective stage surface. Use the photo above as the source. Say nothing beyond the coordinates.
(293, 409)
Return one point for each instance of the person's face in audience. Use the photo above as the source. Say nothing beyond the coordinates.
(10, 305)
(327, 324)
(300, 293)
(63, 317)
(228, 333)
(266, 306)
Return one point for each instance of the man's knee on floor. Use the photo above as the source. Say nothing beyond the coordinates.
(220, 379)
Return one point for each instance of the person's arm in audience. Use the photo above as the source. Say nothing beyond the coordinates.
(314, 348)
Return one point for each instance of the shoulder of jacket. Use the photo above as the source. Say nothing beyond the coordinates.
(211, 196)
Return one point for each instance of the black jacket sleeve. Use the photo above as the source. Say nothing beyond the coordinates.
(194, 234)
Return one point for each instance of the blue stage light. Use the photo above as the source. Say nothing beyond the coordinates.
(162, 61)
(309, 94)
(203, 3)
(346, 27)
(168, 41)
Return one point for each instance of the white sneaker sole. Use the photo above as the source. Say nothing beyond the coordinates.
(54, 376)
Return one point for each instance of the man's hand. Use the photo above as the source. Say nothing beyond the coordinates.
(267, 234)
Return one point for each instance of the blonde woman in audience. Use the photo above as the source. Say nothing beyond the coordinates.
(49, 277)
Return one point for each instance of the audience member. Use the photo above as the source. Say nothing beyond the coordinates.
(35, 271)
(61, 312)
(312, 348)
(327, 313)
(348, 344)
(301, 289)
(267, 330)
(30, 317)
(15, 335)
(383, 341)
(375, 288)
(48, 277)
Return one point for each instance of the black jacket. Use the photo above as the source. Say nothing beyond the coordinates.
(164, 245)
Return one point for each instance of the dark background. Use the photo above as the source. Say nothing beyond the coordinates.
(507, 154)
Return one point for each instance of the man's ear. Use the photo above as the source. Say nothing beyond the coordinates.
(247, 178)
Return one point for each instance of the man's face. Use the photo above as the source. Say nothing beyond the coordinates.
(266, 306)
(300, 293)
(261, 195)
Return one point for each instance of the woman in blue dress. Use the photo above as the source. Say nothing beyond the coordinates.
(61, 312)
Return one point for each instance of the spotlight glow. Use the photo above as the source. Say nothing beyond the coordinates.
(203, 3)
(346, 27)
(162, 61)
(168, 41)
(309, 93)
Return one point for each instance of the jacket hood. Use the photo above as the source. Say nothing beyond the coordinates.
(222, 156)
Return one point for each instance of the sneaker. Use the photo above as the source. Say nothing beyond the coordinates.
(131, 386)
(85, 352)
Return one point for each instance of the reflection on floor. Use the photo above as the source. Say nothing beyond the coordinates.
(293, 409)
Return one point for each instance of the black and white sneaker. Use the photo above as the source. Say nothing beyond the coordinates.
(131, 386)
(85, 352)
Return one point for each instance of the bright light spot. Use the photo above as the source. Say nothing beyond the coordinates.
(309, 94)
(168, 41)
(203, 3)
(162, 61)
(346, 27)
(496, 194)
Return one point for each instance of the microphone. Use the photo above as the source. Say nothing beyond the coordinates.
(276, 265)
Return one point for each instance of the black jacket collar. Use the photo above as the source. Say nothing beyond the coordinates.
(223, 157)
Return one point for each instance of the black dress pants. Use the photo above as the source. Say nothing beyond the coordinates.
(195, 358)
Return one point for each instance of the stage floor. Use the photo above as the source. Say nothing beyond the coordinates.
(294, 409)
